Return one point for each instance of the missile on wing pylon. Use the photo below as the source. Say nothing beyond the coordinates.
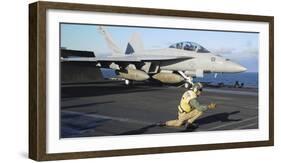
(133, 74)
(170, 78)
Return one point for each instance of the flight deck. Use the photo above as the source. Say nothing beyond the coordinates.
(108, 108)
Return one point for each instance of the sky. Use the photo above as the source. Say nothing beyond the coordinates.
(240, 47)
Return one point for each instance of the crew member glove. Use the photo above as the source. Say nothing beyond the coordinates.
(212, 106)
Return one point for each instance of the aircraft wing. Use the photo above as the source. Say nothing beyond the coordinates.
(116, 62)
(125, 59)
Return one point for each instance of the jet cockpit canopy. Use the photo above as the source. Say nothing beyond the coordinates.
(190, 46)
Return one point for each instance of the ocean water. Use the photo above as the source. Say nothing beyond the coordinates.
(250, 79)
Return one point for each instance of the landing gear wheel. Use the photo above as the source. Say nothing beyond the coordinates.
(187, 85)
(128, 82)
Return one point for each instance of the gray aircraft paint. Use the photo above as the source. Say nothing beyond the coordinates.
(193, 63)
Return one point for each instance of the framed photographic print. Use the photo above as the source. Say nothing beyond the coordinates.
(112, 81)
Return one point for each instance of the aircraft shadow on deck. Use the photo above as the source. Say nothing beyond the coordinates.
(69, 130)
(85, 91)
(220, 117)
(138, 131)
(86, 105)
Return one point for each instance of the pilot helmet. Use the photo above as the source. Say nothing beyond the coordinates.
(197, 87)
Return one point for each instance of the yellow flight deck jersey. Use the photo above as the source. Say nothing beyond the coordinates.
(184, 103)
(189, 102)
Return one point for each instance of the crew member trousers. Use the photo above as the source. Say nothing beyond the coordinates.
(184, 117)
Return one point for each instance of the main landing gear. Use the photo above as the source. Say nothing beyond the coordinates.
(128, 82)
(188, 80)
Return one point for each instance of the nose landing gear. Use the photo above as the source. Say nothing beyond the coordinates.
(188, 80)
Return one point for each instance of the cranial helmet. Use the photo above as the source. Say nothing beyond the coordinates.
(197, 87)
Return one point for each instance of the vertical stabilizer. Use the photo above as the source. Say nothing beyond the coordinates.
(110, 43)
(134, 45)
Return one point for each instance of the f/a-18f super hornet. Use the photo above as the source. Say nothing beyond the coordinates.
(178, 63)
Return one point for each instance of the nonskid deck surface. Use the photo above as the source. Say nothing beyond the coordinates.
(111, 108)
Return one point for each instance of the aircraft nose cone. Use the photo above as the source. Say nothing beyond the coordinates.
(240, 68)
(234, 67)
(243, 69)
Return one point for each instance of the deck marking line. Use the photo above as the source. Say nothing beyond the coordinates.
(233, 123)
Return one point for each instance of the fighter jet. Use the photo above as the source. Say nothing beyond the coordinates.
(178, 63)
